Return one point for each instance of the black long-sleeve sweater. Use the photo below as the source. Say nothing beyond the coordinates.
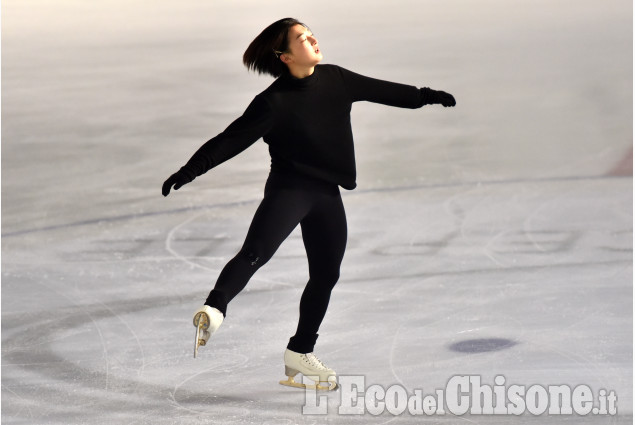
(306, 123)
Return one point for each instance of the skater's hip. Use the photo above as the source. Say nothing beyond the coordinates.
(293, 180)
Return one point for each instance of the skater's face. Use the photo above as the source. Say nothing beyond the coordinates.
(303, 48)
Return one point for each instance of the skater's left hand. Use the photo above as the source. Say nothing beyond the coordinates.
(445, 99)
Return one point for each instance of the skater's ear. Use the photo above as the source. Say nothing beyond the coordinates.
(285, 58)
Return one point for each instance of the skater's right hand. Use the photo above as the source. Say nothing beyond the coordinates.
(177, 180)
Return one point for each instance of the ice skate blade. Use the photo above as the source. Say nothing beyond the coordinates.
(290, 382)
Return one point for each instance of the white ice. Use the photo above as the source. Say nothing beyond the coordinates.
(490, 239)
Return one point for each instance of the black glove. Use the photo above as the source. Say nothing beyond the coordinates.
(177, 180)
(437, 97)
(445, 99)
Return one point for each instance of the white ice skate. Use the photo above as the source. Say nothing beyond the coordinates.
(206, 320)
(311, 367)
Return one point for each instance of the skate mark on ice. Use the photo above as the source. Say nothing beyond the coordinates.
(125, 323)
(134, 216)
(25, 404)
(99, 332)
(585, 364)
(235, 361)
(125, 217)
(392, 355)
(9, 345)
(460, 216)
(133, 333)
(519, 331)
(139, 394)
(168, 246)
(519, 269)
(530, 231)
(482, 345)
(170, 237)
(488, 251)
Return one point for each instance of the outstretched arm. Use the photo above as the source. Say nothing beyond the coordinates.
(370, 89)
(255, 122)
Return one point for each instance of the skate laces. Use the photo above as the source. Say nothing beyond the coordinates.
(314, 361)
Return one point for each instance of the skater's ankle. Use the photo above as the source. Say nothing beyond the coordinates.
(302, 344)
(217, 300)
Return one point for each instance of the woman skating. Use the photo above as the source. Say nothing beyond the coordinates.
(304, 117)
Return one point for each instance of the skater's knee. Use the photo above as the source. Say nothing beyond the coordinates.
(332, 279)
(325, 278)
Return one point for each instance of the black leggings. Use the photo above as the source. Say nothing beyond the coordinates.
(317, 207)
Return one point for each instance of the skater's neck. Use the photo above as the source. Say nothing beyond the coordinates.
(301, 72)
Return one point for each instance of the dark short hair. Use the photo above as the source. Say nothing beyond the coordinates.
(263, 53)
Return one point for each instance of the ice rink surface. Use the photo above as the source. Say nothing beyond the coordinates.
(494, 238)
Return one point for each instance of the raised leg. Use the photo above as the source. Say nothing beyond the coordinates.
(276, 217)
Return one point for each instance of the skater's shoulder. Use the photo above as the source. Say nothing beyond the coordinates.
(268, 96)
(275, 87)
(328, 67)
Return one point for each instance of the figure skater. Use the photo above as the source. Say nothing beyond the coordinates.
(304, 117)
